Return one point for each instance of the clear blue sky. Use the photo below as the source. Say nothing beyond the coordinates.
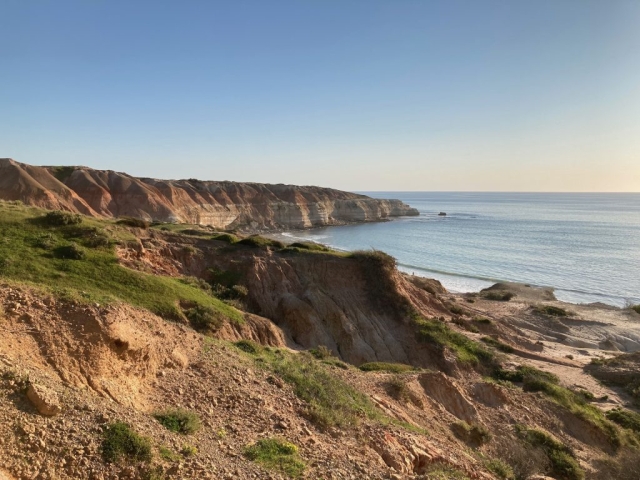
(361, 95)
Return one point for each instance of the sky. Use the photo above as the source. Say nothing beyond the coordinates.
(362, 95)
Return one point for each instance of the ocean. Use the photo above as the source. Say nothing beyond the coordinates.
(585, 245)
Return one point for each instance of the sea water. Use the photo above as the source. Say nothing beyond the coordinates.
(585, 245)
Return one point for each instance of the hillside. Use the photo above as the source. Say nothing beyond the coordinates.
(180, 351)
(223, 205)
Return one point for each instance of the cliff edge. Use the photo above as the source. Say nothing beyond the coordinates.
(224, 205)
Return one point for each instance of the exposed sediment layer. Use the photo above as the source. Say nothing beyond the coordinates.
(248, 206)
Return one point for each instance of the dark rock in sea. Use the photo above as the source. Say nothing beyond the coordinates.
(442, 214)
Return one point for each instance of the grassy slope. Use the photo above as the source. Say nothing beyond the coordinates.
(28, 255)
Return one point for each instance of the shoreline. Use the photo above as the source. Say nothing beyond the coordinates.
(467, 284)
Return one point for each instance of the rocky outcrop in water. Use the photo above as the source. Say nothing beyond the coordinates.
(225, 205)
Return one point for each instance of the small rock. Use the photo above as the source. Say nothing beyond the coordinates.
(44, 399)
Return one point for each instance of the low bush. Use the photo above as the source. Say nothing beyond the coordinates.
(249, 346)
(497, 344)
(562, 462)
(133, 222)
(168, 454)
(321, 352)
(204, 318)
(72, 251)
(226, 238)
(473, 434)
(386, 367)
(59, 218)
(119, 441)
(189, 450)
(499, 296)
(276, 454)
(260, 242)
(316, 247)
(550, 311)
(625, 418)
(483, 320)
(501, 469)
(635, 308)
(179, 420)
(437, 333)
(455, 309)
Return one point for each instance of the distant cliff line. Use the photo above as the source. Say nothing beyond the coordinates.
(223, 205)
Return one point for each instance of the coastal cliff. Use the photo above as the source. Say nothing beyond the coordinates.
(225, 205)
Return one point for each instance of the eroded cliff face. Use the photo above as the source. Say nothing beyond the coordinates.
(224, 205)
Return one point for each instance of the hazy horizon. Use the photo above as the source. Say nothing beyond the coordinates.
(451, 96)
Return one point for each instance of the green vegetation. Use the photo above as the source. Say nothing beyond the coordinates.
(133, 222)
(168, 455)
(226, 237)
(473, 434)
(455, 309)
(444, 472)
(249, 346)
(550, 311)
(260, 242)
(189, 450)
(563, 463)
(635, 308)
(500, 469)
(321, 352)
(386, 367)
(437, 333)
(276, 454)
(179, 420)
(119, 441)
(499, 296)
(29, 254)
(497, 344)
(534, 380)
(316, 247)
(625, 418)
(58, 218)
(62, 173)
(205, 318)
(483, 320)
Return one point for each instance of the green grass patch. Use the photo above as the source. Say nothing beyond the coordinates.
(226, 238)
(497, 344)
(120, 442)
(276, 454)
(437, 333)
(625, 418)
(168, 454)
(500, 469)
(260, 242)
(444, 472)
(386, 367)
(249, 346)
(563, 464)
(133, 222)
(482, 320)
(550, 311)
(315, 247)
(29, 254)
(636, 308)
(499, 296)
(179, 420)
(534, 380)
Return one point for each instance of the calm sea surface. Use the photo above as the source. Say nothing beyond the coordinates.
(586, 246)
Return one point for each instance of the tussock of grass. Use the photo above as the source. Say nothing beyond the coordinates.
(133, 222)
(483, 320)
(179, 420)
(386, 367)
(499, 296)
(316, 247)
(534, 380)
(473, 434)
(625, 418)
(276, 454)
(437, 333)
(249, 346)
(550, 311)
(563, 463)
(119, 441)
(226, 237)
(97, 277)
(321, 352)
(500, 469)
(636, 308)
(260, 242)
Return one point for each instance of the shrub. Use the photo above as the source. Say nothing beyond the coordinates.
(249, 346)
(120, 441)
(189, 450)
(226, 237)
(386, 367)
(500, 469)
(277, 455)
(497, 344)
(321, 352)
(499, 296)
(456, 310)
(397, 388)
(563, 463)
(168, 454)
(550, 310)
(310, 246)
(260, 242)
(625, 418)
(473, 434)
(483, 320)
(59, 218)
(440, 335)
(179, 420)
(133, 222)
(72, 252)
(46, 241)
(204, 318)
(636, 308)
